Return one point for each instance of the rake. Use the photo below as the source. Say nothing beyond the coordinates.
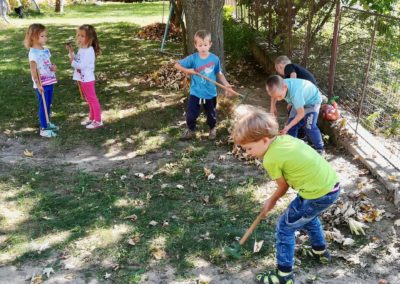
(234, 249)
(41, 91)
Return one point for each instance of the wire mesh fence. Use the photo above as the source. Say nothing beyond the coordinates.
(367, 76)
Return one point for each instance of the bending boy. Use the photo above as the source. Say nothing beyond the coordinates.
(291, 163)
(305, 98)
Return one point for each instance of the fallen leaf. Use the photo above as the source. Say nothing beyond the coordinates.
(356, 227)
(397, 223)
(206, 199)
(153, 223)
(148, 196)
(133, 217)
(159, 253)
(207, 172)
(187, 171)
(134, 240)
(257, 246)
(7, 132)
(28, 153)
(164, 224)
(36, 279)
(107, 275)
(179, 186)
(392, 178)
(211, 177)
(222, 158)
(348, 242)
(139, 175)
(48, 271)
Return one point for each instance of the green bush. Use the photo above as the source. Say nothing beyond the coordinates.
(237, 35)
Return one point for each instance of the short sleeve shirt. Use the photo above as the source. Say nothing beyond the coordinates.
(302, 93)
(42, 59)
(302, 167)
(301, 72)
(209, 67)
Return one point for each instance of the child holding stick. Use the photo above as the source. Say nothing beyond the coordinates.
(43, 75)
(83, 63)
(291, 163)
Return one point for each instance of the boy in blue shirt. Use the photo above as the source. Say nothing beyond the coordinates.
(202, 92)
(305, 99)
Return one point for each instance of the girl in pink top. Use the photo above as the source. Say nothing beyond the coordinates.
(83, 63)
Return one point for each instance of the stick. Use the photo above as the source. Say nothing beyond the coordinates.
(251, 229)
(43, 98)
(80, 90)
(220, 85)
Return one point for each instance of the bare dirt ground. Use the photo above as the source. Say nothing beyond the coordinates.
(376, 258)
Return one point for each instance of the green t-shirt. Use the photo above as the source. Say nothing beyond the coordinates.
(302, 167)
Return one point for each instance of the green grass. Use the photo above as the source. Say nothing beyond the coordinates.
(57, 208)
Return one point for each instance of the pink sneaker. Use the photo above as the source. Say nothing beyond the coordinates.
(94, 124)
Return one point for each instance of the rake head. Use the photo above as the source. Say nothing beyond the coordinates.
(233, 250)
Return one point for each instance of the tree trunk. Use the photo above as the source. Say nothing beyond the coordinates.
(205, 15)
(176, 17)
(59, 6)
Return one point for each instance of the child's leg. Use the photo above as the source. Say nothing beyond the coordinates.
(88, 88)
(210, 108)
(90, 107)
(192, 112)
(48, 95)
(312, 130)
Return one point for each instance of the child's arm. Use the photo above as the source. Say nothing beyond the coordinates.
(34, 74)
(299, 116)
(222, 79)
(282, 188)
(70, 50)
(273, 109)
(185, 70)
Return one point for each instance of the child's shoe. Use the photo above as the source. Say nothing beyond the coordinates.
(86, 122)
(52, 126)
(213, 134)
(274, 277)
(188, 134)
(47, 133)
(94, 124)
(322, 257)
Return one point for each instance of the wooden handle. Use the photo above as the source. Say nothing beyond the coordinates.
(43, 98)
(251, 229)
(219, 85)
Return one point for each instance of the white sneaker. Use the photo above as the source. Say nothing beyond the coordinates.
(95, 124)
(47, 133)
(86, 122)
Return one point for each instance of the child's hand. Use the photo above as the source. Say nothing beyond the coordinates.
(229, 92)
(69, 48)
(41, 90)
(53, 68)
(284, 130)
(191, 72)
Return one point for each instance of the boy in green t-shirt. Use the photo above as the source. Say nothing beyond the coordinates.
(291, 163)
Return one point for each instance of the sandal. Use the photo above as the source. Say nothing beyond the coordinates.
(272, 277)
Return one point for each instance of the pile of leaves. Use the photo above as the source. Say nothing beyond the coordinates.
(167, 76)
(156, 32)
(355, 214)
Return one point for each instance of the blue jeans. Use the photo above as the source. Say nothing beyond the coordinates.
(48, 96)
(309, 122)
(301, 214)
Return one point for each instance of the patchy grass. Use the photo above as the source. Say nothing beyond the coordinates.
(79, 215)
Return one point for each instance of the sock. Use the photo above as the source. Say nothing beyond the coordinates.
(284, 270)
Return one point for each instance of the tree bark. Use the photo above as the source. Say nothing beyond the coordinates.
(59, 6)
(205, 15)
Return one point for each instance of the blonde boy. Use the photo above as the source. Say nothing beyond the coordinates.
(291, 163)
(202, 92)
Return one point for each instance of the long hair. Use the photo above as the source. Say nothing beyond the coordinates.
(92, 36)
(32, 34)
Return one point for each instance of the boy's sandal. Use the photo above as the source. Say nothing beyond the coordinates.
(272, 277)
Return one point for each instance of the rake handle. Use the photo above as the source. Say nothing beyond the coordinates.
(251, 229)
(43, 98)
(219, 85)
